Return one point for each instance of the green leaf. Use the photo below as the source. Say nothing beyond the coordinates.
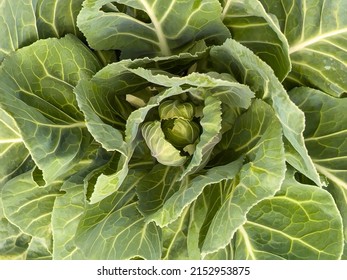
(45, 109)
(202, 212)
(237, 60)
(157, 187)
(123, 234)
(317, 33)
(17, 25)
(144, 27)
(176, 204)
(28, 205)
(250, 25)
(161, 149)
(174, 238)
(11, 143)
(211, 124)
(70, 206)
(260, 177)
(13, 242)
(325, 137)
(114, 229)
(300, 222)
(57, 18)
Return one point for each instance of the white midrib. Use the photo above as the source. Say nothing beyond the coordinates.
(316, 39)
(163, 45)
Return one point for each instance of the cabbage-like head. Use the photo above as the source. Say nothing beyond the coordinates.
(180, 132)
(173, 137)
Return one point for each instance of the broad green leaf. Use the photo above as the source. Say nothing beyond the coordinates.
(17, 25)
(69, 207)
(176, 204)
(158, 186)
(260, 177)
(57, 18)
(250, 25)
(300, 222)
(325, 137)
(39, 249)
(202, 212)
(237, 60)
(45, 109)
(28, 205)
(122, 234)
(317, 34)
(11, 143)
(114, 229)
(13, 242)
(174, 238)
(141, 28)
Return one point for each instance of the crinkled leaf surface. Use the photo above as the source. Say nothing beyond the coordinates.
(317, 34)
(299, 222)
(11, 143)
(260, 177)
(69, 207)
(176, 204)
(45, 109)
(17, 25)
(57, 18)
(28, 205)
(237, 60)
(142, 28)
(250, 25)
(325, 137)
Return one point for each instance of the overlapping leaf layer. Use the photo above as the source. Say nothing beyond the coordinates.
(141, 129)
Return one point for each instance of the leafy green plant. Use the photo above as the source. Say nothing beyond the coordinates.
(173, 129)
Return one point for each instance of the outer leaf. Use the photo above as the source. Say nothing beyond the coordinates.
(157, 187)
(325, 136)
(300, 222)
(317, 35)
(260, 178)
(235, 59)
(175, 239)
(202, 212)
(176, 204)
(28, 205)
(250, 25)
(57, 18)
(45, 110)
(114, 229)
(11, 143)
(13, 242)
(123, 234)
(144, 27)
(17, 25)
(70, 206)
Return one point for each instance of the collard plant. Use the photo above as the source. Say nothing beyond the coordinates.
(198, 129)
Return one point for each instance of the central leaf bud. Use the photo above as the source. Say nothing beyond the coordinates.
(180, 132)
